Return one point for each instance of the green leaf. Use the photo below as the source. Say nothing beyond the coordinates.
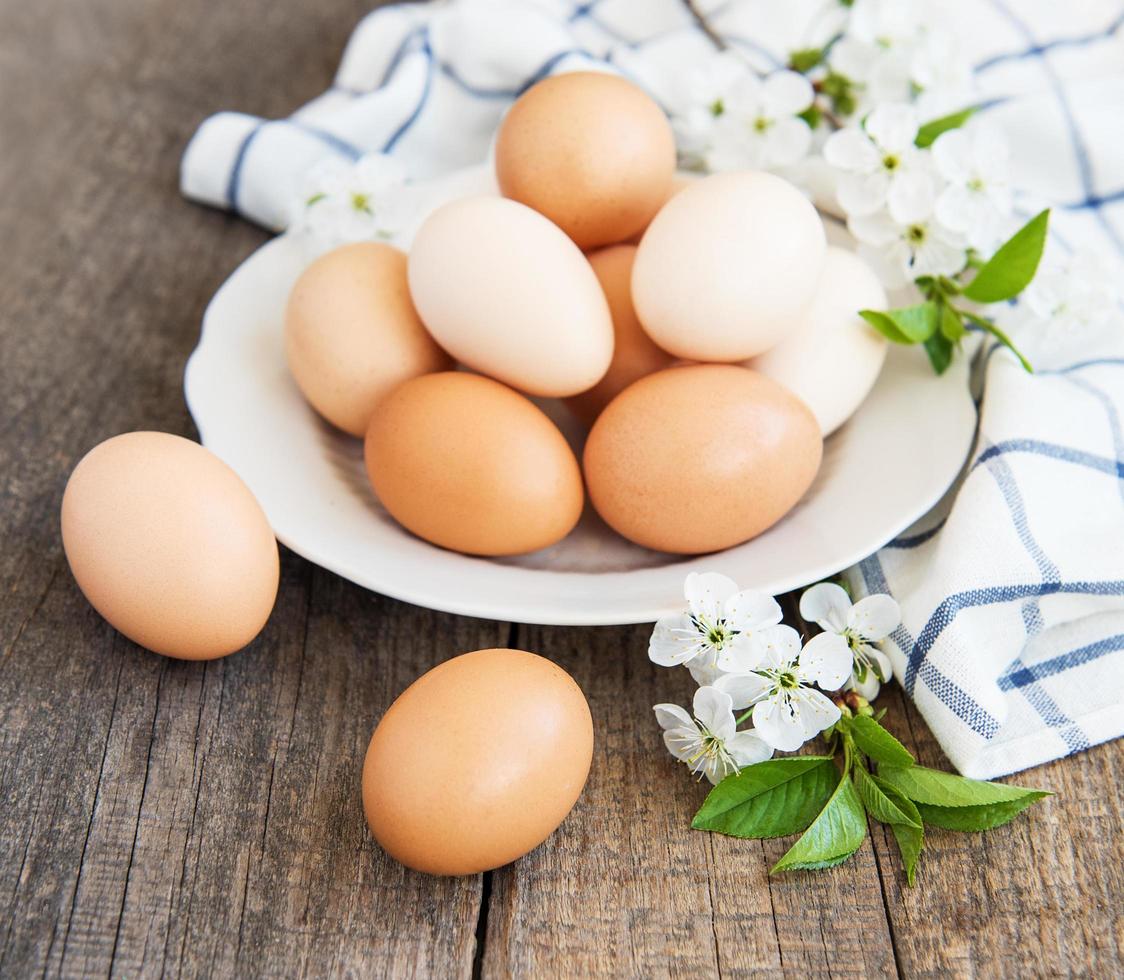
(928, 133)
(885, 326)
(1009, 271)
(805, 59)
(878, 743)
(910, 836)
(906, 325)
(939, 350)
(944, 789)
(812, 116)
(982, 817)
(834, 835)
(880, 805)
(989, 326)
(769, 799)
(952, 327)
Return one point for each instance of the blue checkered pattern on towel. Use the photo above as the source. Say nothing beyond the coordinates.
(1012, 644)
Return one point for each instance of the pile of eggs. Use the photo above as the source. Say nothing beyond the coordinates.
(701, 327)
(703, 330)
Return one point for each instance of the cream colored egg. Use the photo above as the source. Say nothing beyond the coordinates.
(727, 267)
(352, 334)
(508, 294)
(169, 545)
(832, 358)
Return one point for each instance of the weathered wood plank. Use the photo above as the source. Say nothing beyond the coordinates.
(1043, 896)
(627, 888)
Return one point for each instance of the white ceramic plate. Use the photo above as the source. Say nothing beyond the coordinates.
(884, 469)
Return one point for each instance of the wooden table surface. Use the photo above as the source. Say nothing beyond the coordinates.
(159, 817)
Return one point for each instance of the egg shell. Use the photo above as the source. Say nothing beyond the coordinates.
(477, 762)
(678, 182)
(169, 545)
(466, 463)
(509, 295)
(591, 151)
(833, 356)
(634, 354)
(728, 266)
(699, 458)
(352, 333)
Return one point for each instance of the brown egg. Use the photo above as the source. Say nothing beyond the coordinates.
(352, 334)
(169, 545)
(591, 151)
(477, 762)
(699, 458)
(466, 463)
(634, 353)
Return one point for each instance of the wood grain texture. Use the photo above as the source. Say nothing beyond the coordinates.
(164, 818)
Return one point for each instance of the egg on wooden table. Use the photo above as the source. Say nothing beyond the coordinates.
(727, 266)
(477, 762)
(509, 295)
(469, 464)
(634, 354)
(591, 151)
(169, 545)
(701, 457)
(832, 357)
(352, 333)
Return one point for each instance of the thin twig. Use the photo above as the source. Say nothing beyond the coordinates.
(704, 25)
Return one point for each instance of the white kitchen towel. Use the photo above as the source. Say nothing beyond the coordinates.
(1012, 591)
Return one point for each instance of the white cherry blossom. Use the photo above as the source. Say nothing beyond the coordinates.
(853, 631)
(977, 198)
(719, 617)
(709, 743)
(700, 101)
(759, 125)
(880, 167)
(787, 710)
(902, 251)
(341, 202)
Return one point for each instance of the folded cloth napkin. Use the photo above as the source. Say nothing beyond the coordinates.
(1012, 591)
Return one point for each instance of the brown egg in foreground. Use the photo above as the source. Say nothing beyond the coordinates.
(352, 333)
(590, 151)
(477, 762)
(701, 457)
(634, 353)
(469, 464)
(169, 545)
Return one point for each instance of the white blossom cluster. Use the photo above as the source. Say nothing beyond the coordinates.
(751, 667)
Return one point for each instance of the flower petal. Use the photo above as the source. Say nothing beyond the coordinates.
(779, 724)
(741, 653)
(827, 605)
(743, 689)
(951, 154)
(776, 647)
(885, 669)
(704, 671)
(683, 743)
(815, 711)
(893, 126)
(787, 141)
(748, 748)
(910, 197)
(706, 592)
(748, 610)
(825, 660)
(851, 150)
(862, 194)
(938, 257)
(714, 710)
(868, 687)
(875, 617)
(785, 93)
(672, 716)
(674, 641)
